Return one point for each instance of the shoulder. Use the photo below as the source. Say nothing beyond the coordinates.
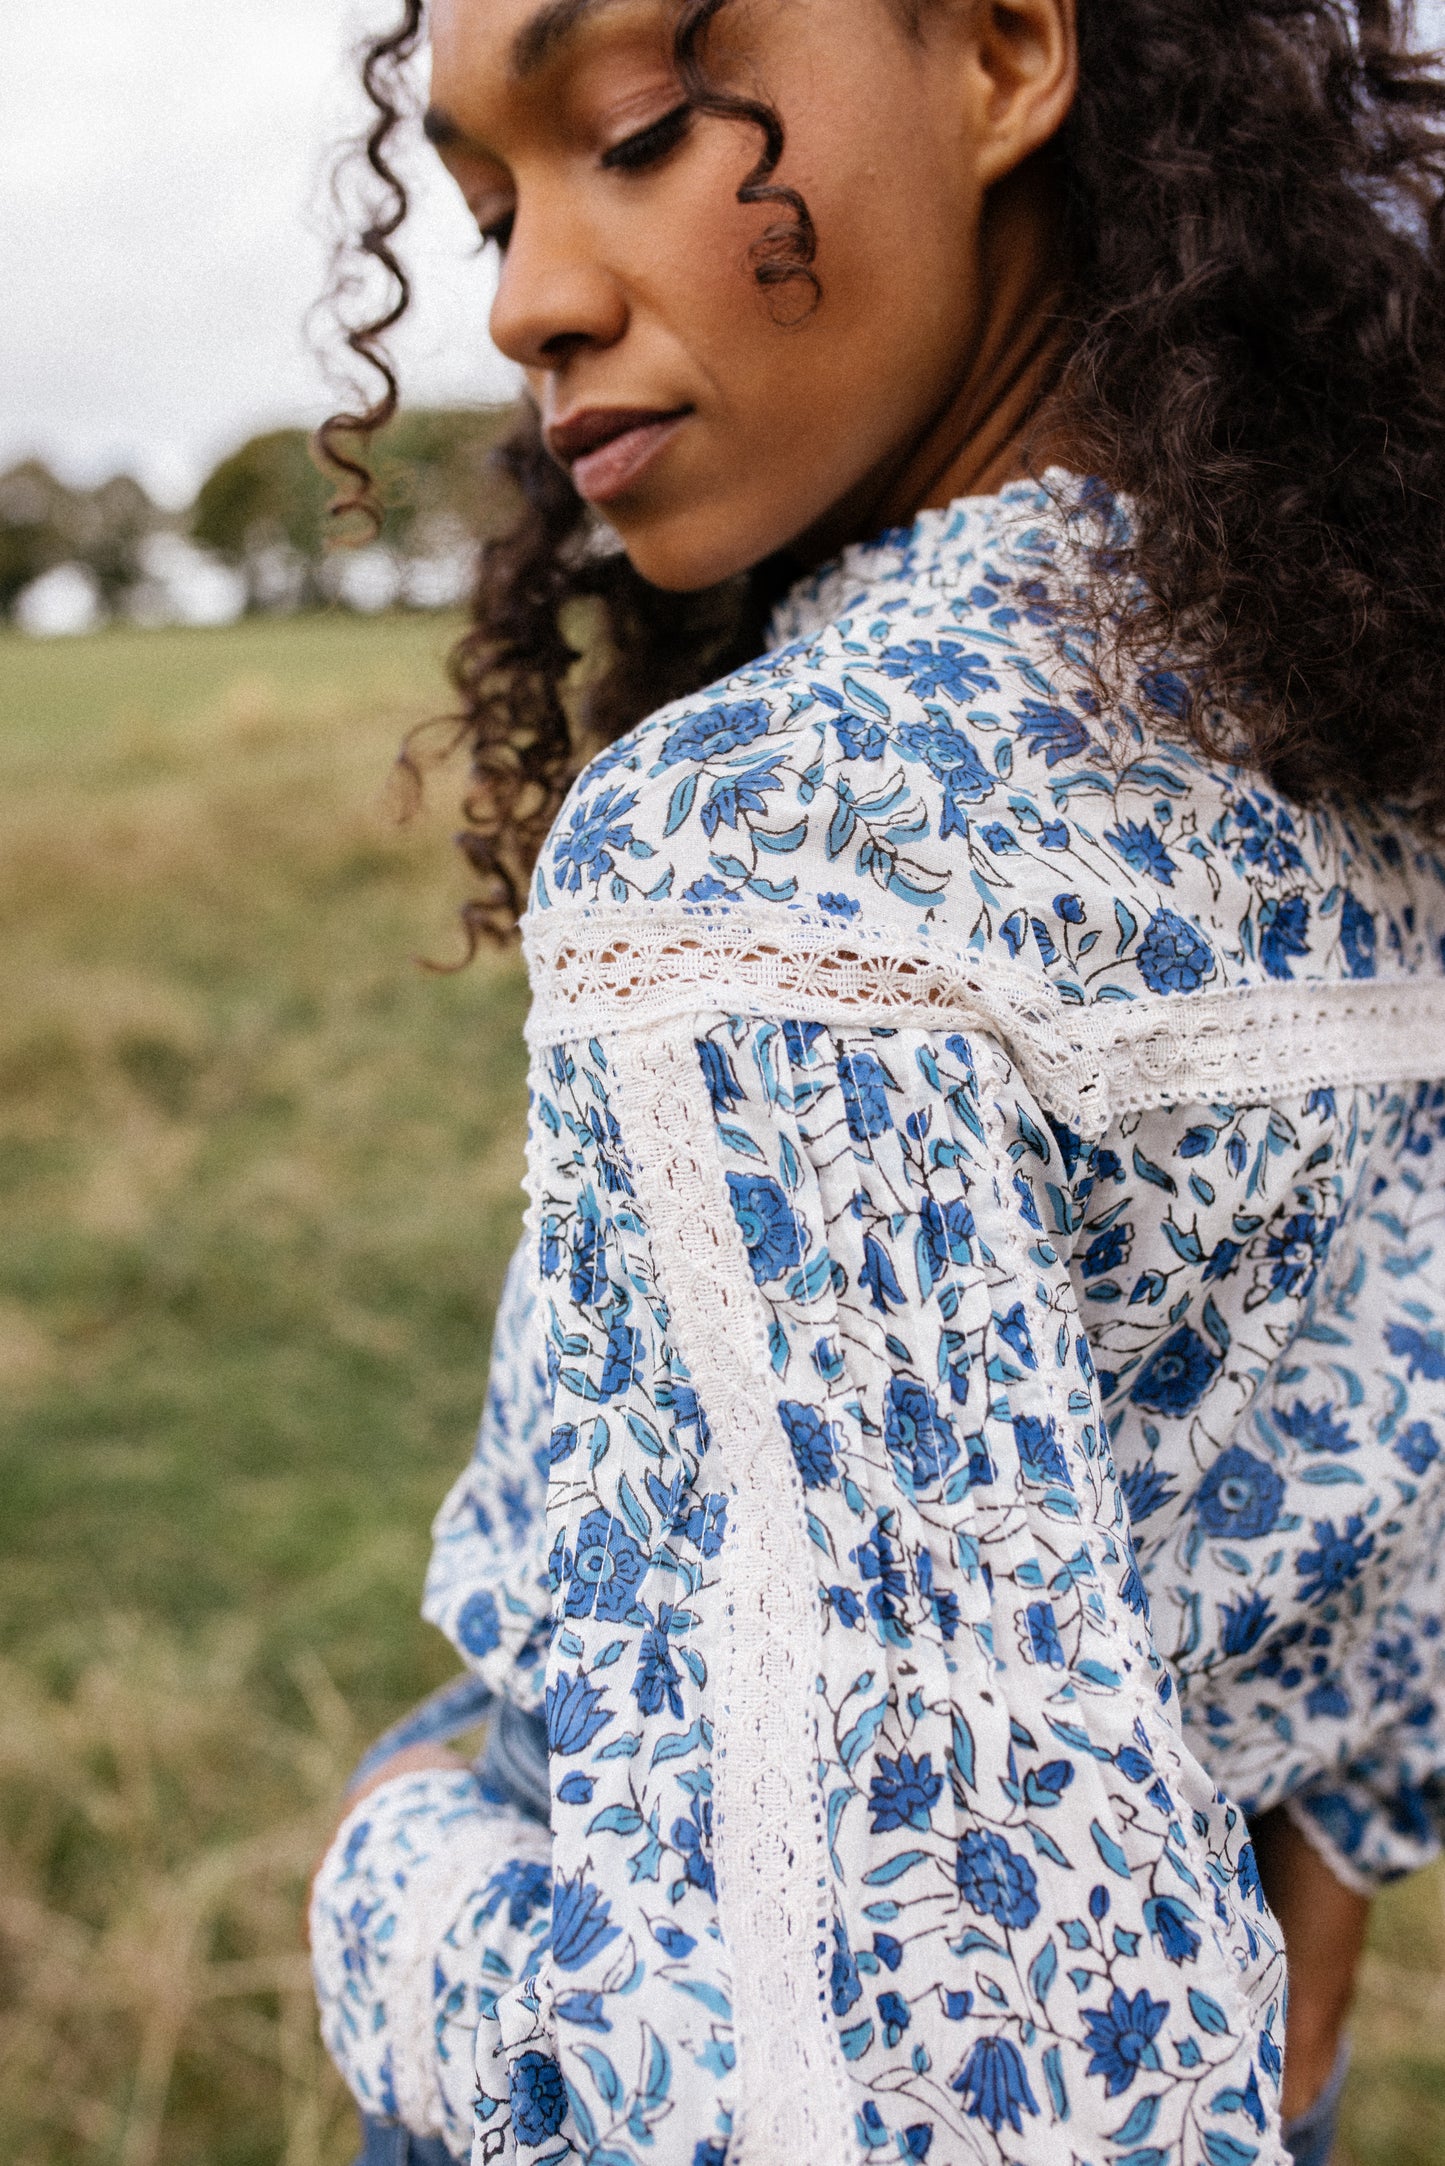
(927, 761)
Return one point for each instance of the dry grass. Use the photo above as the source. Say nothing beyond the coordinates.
(258, 1179)
(158, 1829)
(259, 1183)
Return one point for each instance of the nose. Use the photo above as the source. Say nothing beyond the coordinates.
(556, 295)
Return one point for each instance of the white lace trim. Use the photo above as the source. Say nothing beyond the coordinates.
(1087, 1065)
(769, 1843)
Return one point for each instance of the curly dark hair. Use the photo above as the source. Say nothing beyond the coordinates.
(1254, 198)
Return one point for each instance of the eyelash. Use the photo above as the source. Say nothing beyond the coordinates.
(650, 145)
(634, 154)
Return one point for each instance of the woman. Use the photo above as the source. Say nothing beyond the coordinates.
(965, 1418)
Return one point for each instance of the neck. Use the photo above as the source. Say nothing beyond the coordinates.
(999, 422)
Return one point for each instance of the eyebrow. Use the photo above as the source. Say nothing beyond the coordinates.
(539, 39)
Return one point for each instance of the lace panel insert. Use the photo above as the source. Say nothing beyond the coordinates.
(1086, 1064)
(769, 1840)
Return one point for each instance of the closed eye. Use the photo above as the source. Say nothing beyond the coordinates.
(650, 145)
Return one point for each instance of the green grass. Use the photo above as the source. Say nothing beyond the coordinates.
(258, 1177)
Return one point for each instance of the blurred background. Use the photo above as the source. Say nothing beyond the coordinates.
(259, 1172)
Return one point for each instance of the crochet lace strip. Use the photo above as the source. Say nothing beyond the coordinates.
(1087, 1065)
(769, 1839)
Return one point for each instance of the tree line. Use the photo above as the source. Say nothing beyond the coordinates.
(263, 514)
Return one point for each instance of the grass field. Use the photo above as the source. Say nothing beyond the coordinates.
(259, 1183)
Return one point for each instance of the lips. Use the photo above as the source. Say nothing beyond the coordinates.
(607, 448)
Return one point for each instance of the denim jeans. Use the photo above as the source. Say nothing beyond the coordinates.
(512, 1771)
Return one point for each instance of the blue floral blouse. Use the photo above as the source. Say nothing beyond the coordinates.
(965, 1423)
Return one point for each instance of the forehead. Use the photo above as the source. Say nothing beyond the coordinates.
(518, 39)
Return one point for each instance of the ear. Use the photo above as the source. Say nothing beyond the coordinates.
(1025, 70)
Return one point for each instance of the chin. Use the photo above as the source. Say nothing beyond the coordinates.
(684, 553)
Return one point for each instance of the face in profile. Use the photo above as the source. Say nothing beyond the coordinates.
(711, 419)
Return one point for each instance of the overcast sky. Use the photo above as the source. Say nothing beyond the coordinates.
(159, 245)
(160, 241)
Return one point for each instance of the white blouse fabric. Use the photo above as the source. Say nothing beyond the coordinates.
(964, 1425)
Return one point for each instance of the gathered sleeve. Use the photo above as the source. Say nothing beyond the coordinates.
(871, 1814)
(430, 1903)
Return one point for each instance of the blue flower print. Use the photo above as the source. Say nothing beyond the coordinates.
(658, 1683)
(887, 1587)
(1106, 1252)
(1329, 1569)
(580, 1922)
(576, 1713)
(1175, 1378)
(623, 1360)
(539, 2098)
(768, 1223)
(903, 1793)
(1239, 1497)
(606, 1570)
(1243, 1623)
(1392, 1669)
(1040, 1453)
(814, 1442)
(1172, 1924)
(878, 1278)
(859, 738)
(723, 1087)
(846, 1606)
(994, 2085)
(588, 1281)
(994, 1880)
(521, 1887)
(945, 669)
(1142, 850)
(947, 1235)
(611, 1156)
(692, 1838)
(1042, 1631)
(714, 731)
(1283, 933)
(1000, 839)
(1417, 1446)
(1266, 836)
(705, 1525)
(942, 1601)
(585, 851)
(479, 1626)
(894, 2015)
(919, 1439)
(1173, 956)
(1222, 1259)
(710, 2153)
(865, 1084)
(1121, 2037)
(1053, 731)
(951, 760)
(839, 906)
(1423, 1352)
(1317, 1428)
(1358, 937)
(847, 1987)
(1146, 1490)
(729, 799)
(1295, 1250)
